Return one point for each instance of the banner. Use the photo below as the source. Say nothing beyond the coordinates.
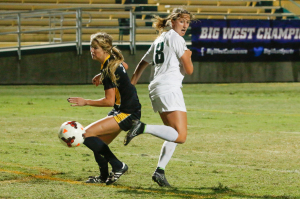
(246, 40)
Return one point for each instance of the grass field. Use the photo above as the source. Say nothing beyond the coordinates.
(243, 142)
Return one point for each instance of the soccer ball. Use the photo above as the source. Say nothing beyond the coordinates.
(71, 133)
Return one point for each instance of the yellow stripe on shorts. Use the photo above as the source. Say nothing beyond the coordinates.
(120, 117)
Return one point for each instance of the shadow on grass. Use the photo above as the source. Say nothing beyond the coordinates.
(219, 191)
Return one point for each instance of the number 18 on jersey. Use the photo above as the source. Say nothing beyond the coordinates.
(159, 54)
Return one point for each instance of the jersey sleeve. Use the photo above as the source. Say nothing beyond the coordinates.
(107, 83)
(148, 57)
(178, 44)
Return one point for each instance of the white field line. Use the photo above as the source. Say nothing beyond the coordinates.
(242, 113)
(190, 160)
(53, 117)
(221, 165)
(189, 109)
(291, 132)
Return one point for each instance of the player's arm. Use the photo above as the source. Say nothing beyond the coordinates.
(125, 65)
(138, 71)
(96, 80)
(186, 61)
(107, 101)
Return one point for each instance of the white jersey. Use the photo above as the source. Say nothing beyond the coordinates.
(165, 53)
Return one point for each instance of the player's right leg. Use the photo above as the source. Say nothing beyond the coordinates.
(166, 153)
(174, 120)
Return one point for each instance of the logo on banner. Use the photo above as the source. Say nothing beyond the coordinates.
(202, 51)
(225, 51)
(221, 51)
(258, 51)
(280, 51)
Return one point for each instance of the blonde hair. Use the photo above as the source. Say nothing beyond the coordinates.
(161, 23)
(104, 40)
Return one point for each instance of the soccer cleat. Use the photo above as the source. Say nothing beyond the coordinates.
(137, 128)
(96, 179)
(115, 175)
(160, 179)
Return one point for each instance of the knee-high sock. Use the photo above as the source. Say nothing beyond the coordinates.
(164, 132)
(98, 146)
(111, 158)
(166, 153)
(103, 165)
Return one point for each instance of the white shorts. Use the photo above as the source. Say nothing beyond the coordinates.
(168, 102)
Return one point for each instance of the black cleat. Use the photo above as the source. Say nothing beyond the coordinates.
(137, 128)
(115, 175)
(160, 179)
(96, 179)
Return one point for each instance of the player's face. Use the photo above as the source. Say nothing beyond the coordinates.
(98, 53)
(181, 24)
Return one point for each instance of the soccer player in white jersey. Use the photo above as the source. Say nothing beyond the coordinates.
(171, 60)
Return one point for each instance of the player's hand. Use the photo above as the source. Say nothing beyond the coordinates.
(96, 80)
(77, 101)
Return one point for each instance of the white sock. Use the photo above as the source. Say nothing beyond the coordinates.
(162, 131)
(166, 153)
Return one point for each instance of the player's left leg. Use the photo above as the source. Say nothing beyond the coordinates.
(161, 131)
(103, 168)
(103, 128)
(178, 121)
(102, 162)
(172, 111)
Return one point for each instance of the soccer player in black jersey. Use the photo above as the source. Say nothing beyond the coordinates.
(120, 94)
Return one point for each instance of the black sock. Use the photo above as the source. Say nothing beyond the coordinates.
(94, 143)
(103, 165)
(112, 159)
(160, 170)
(99, 147)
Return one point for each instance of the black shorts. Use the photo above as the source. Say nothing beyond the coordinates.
(125, 119)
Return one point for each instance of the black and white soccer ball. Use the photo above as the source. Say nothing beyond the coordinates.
(71, 133)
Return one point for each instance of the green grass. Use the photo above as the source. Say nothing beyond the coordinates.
(243, 142)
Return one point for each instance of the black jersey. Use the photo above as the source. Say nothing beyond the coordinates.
(126, 99)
